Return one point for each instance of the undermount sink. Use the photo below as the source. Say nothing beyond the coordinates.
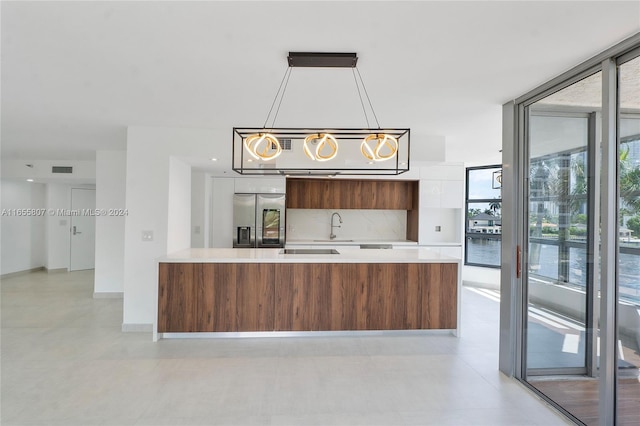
(309, 251)
(332, 241)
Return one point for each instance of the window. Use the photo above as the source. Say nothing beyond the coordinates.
(483, 229)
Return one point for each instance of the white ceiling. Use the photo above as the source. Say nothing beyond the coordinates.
(75, 74)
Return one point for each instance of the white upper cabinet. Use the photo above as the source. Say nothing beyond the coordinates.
(442, 186)
(272, 185)
(452, 194)
(430, 193)
(441, 204)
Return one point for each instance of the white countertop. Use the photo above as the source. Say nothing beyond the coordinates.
(348, 242)
(347, 255)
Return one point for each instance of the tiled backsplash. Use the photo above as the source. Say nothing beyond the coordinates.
(311, 224)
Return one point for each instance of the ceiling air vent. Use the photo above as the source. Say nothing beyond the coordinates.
(284, 143)
(61, 169)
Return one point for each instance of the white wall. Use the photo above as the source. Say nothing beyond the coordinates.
(34, 242)
(148, 174)
(83, 170)
(23, 237)
(198, 208)
(58, 225)
(110, 195)
(221, 231)
(427, 148)
(179, 206)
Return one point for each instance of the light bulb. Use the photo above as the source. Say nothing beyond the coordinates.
(263, 146)
(324, 140)
(383, 141)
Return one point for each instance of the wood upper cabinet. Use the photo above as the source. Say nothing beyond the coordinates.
(351, 194)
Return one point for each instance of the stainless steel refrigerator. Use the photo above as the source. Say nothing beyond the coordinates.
(258, 220)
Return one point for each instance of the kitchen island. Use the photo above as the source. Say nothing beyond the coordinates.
(222, 291)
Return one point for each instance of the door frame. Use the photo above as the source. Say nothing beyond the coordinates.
(593, 212)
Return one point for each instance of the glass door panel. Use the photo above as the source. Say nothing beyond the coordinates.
(557, 242)
(560, 357)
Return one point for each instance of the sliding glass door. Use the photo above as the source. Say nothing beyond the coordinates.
(560, 329)
(571, 239)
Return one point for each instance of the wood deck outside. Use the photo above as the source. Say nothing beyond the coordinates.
(580, 398)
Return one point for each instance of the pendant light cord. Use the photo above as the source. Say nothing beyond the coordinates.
(283, 88)
(364, 110)
(285, 81)
(367, 95)
(273, 124)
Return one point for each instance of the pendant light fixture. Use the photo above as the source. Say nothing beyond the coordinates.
(270, 150)
(385, 141)
(263, 146)
(322, 140)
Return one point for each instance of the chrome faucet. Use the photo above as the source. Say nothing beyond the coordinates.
(332, 235)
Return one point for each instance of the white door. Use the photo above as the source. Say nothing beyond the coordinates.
(83, 229)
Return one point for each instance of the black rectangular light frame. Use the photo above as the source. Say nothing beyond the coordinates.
(322, 59)
(305, 167)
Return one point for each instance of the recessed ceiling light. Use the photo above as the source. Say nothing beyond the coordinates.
(214, 159)
(29, 180)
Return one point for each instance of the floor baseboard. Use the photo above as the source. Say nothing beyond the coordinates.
(18, 273)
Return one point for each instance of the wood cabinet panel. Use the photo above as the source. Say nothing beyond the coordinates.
(413, 215)
(439, 302)
(220, 281)
(255, 301)
(414, 286)
(196, 297)
(176, 297)
(350, 194)
(303, 296)
(348, 298)
(306, 296)
(205, 302)
(393, 297)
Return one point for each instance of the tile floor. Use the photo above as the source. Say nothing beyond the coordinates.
(66, 362)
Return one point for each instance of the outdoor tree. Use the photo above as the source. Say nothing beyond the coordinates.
(634, 224)
(473, 212)
(629, 182)
(495, 206)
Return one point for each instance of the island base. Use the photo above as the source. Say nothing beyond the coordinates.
(258, 297)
